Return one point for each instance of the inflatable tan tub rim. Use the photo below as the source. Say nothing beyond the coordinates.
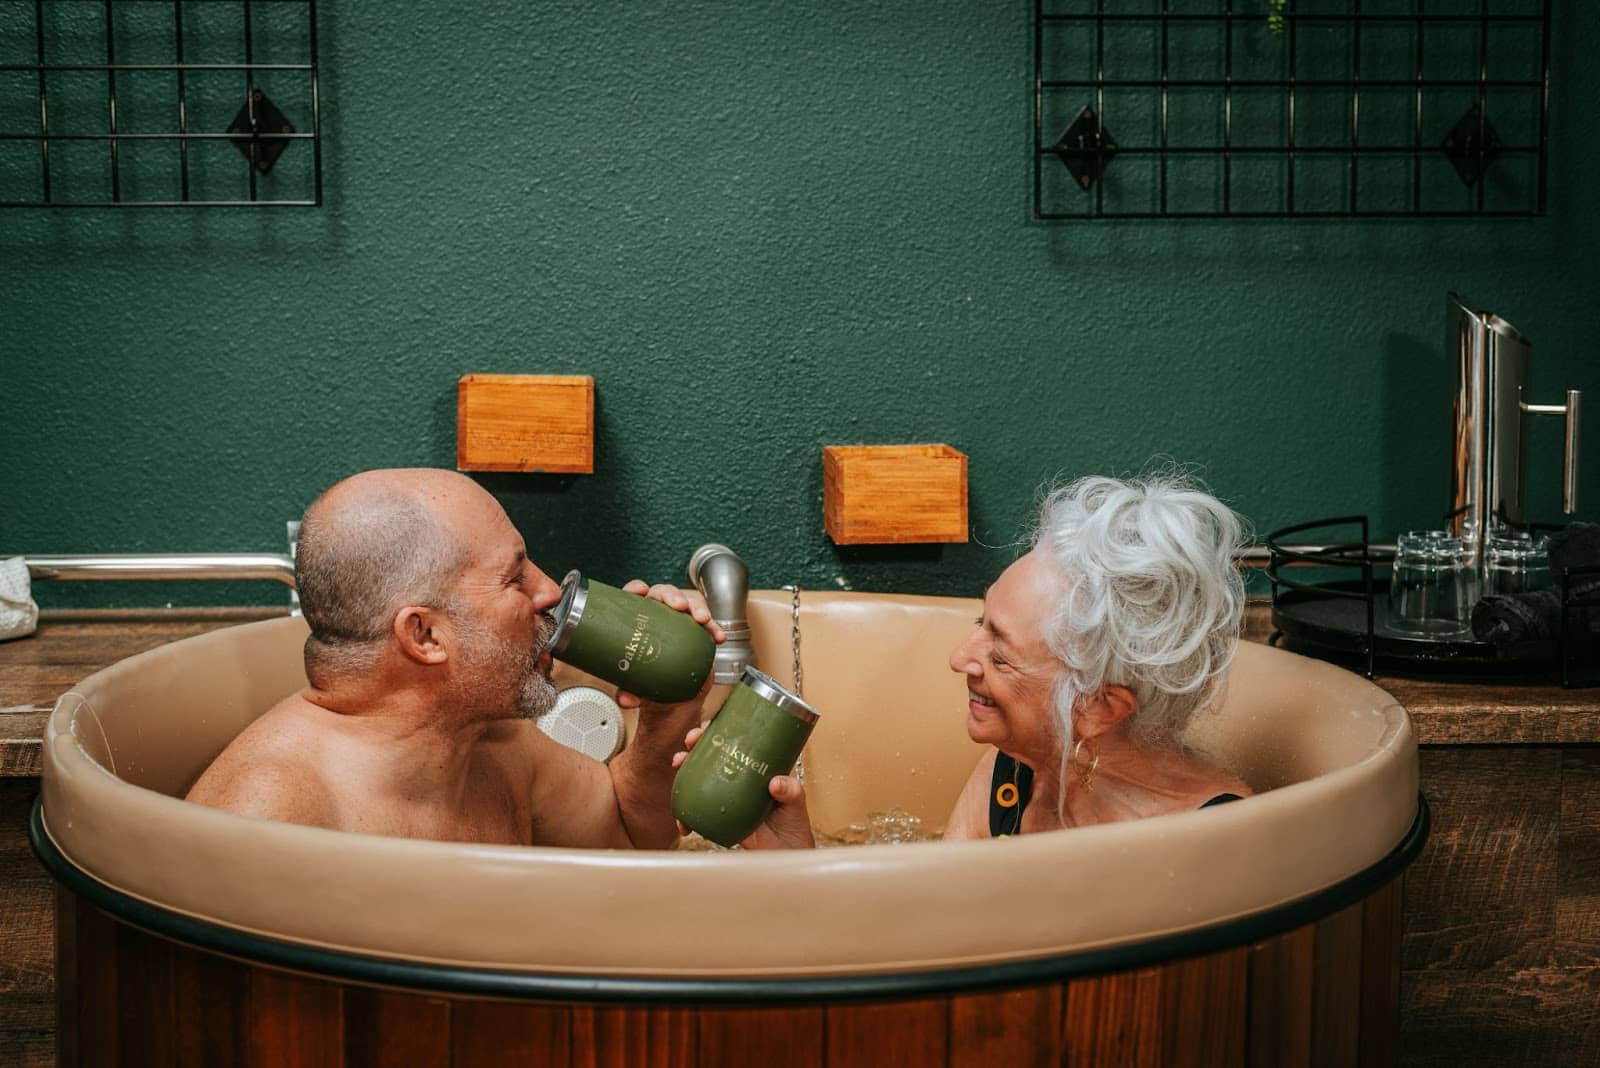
(498, 983)
(870, 921)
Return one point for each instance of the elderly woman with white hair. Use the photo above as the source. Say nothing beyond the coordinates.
(1093, 653)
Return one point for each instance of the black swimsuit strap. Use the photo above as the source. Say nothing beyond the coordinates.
(1009, 791)
(1012, 786)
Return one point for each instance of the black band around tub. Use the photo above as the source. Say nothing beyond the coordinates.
(488, 982)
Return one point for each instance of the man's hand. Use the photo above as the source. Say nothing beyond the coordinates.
(688, 601)
(787, 826)
(641, 775)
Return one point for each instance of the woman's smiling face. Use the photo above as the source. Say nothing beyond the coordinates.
(1009, 669)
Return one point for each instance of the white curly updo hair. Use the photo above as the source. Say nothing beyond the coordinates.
(1150, 596)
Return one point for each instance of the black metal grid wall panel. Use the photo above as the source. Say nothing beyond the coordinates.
(1333, 109)
(159, 103)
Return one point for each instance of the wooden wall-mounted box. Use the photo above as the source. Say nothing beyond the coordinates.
(887, 494)
(539, 423)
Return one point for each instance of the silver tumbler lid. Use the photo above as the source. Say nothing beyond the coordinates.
(769, 690)
(568, 613)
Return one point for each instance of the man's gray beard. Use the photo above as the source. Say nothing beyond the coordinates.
(538, 694)
(489, 653)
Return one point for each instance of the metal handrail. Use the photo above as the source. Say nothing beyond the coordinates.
(278, 567)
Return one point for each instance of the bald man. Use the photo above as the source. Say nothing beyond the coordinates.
(424, 674)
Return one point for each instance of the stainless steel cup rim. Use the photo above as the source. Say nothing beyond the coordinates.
(769, 690)
(568, 613)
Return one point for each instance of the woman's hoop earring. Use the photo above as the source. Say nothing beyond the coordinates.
(1086, 776)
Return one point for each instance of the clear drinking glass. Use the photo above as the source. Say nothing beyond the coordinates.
(1515, 562)
(1433, 588)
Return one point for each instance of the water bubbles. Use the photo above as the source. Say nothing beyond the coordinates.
(694, 843)
(895, 826)
(880, 828)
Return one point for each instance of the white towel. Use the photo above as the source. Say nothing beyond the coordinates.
(19, 616)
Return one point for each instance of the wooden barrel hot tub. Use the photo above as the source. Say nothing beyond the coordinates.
(1262, 932)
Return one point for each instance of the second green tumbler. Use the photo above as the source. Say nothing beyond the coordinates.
(641, 645)
(722, 789)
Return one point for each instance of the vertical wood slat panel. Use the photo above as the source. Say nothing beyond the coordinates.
(1015, 1029)
(1204, 1006)
(387, 1027)
(1336, 997)
(209, 994)
(1282, 977)
(1578, 851)
(905, 1032)
(1381, 917)
(146, 1024)
(97, 981)
(1113, 1020)
(191, 1007)
(293, 1020)
(28, 998)
(1494, 844)
(498, 1034)
(771, 1038)
(1576, 939)
(632, 1038)
(69, 1018)
(1481, 913)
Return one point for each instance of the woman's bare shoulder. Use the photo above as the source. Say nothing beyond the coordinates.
(1213, 782)
(970, 817)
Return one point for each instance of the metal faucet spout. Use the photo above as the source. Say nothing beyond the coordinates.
(725, 582)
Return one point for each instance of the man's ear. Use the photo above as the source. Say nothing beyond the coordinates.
(417, 630)
(1103, 710)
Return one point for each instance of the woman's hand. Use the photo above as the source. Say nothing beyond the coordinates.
(787, 826)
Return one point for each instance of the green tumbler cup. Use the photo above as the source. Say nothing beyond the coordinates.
(721, 789)
(641, 645)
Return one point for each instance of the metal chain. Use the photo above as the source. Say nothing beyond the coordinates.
(794, 640)
(799, 674)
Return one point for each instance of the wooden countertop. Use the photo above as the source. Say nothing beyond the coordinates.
(1482, 711)
(34, 671)
(70, 645)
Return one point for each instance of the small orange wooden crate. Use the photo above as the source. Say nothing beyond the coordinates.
(525, 423)
(881, 494)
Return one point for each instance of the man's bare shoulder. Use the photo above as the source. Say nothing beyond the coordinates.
(265, 772)
(568, 796)
(520, 749)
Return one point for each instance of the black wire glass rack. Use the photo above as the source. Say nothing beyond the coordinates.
(1329, 597)
(159, 103)
(1306, 109)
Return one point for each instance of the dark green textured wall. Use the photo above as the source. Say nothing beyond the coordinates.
(763, 227)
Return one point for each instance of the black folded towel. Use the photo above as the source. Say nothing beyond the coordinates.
(1536, 616)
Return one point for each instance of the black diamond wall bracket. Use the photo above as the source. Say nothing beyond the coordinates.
(260, 116)
(1086, 148)
(1472, 144)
